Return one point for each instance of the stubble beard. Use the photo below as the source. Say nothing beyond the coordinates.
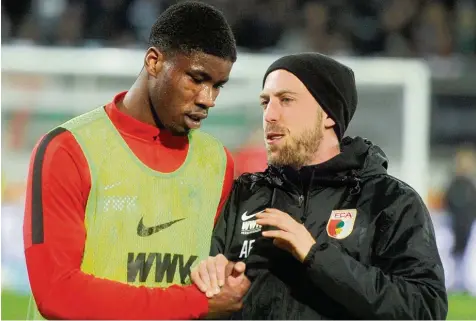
(297, 151)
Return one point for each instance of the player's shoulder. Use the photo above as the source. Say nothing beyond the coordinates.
(58, 137)
(96, 116)
(62, 137)
(58, 140)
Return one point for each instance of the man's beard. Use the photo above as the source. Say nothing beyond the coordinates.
(296, 151)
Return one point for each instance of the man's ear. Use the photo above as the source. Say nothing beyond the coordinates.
(153, 61)
(328, 122)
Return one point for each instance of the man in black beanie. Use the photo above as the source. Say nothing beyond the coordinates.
(328, 109)
(325, 232)
(330, 83)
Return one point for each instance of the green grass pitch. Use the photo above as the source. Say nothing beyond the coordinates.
(14, 307)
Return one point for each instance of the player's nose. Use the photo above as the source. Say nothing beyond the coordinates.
(206, 98)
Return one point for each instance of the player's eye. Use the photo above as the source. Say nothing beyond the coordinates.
(196, 79)
(264, 104)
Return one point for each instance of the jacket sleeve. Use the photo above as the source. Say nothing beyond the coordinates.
(54, 238)
(225, 225)
(406, 279)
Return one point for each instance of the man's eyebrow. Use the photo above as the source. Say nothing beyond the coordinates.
(201, 73)
(263, 96)
(222, 82)
(278, 93)
(206, 77)
(285, 91)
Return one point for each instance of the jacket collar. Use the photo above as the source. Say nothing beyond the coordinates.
(358, 159)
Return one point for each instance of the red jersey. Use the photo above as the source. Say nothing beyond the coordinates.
(58, 187)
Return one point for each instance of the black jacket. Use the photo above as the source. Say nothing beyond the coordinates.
(388, 267)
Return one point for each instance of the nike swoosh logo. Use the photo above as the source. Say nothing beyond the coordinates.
(143, 230)
(246, 217)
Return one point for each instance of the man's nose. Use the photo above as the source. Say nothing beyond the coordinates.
(206, 97)
(272, 112)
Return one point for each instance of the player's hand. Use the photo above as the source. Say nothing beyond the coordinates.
(290, 235)
(209, 274)
(230, 298)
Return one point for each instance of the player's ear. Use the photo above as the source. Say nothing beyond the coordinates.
(154, 61)
(328, 122)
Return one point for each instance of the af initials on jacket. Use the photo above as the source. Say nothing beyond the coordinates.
(375, 242)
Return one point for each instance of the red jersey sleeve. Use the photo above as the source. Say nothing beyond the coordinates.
(227, 182)
(54, 238)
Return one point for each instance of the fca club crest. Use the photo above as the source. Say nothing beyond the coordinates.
(341, 223)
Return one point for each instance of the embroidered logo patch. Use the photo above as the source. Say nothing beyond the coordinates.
(341, 223)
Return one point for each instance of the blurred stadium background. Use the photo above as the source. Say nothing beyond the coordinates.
(415, 63)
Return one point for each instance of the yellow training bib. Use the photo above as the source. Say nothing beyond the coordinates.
(146, 228)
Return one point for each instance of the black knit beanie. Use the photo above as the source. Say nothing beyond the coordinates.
(331, 83)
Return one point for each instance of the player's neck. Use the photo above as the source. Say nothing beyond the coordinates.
(136, 103)
(329, 148)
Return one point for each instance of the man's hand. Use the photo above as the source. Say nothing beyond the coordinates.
(209, 275)
(290, 236)
(230, 298)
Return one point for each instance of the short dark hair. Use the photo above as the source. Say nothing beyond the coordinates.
(193, 26)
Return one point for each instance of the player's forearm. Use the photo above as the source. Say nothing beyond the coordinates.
(371, 294)
(104, 299)
(72, 294)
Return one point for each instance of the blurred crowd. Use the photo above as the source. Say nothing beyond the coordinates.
(402, 28)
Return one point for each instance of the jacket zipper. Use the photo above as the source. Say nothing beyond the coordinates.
(303, 199)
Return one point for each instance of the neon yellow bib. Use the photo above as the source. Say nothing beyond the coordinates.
(146, 228)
